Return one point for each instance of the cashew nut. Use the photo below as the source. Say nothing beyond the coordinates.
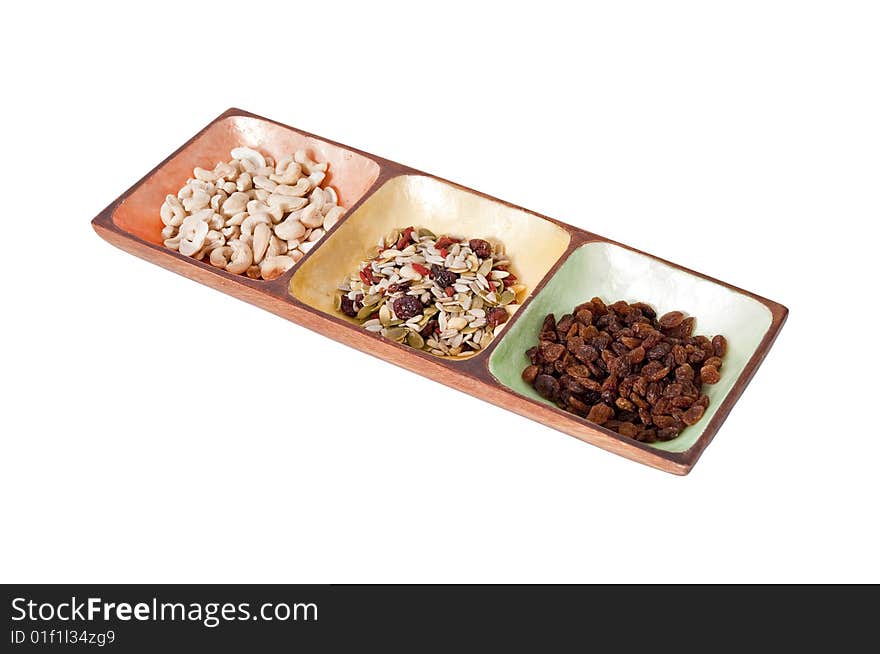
(273, 267)
(302, 187)
(311, 217)
(234, 204)
(192, 235)
(288, 175)
(332, 217)
(286, 202)
(241, 257)
(172, 211)
(290, 229)
(198, 200)
(244, 182)
(247, 227)
(220, 256)
(262, 232)
(264, 182)
(317, 198)
(247, 154)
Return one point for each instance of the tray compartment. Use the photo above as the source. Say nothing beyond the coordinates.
(533, 244)
(350, 173)
(613, 272)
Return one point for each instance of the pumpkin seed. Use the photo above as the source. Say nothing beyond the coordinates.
(365, 312)
(414, 339)
(396, 333)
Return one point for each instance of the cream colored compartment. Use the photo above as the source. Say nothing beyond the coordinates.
(533, 244)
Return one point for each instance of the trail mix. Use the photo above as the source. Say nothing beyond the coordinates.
(444, 295)
(621, 367)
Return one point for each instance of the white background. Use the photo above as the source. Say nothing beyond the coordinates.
(157, 430)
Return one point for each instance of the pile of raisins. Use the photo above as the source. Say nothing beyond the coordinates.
(620, 366)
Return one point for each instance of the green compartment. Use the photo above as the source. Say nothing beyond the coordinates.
(615, 273)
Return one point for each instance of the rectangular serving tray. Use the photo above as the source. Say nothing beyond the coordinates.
(560, 264)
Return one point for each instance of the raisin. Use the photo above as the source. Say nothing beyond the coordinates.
(600, 414)
(586, 353)
(631, 342)
(565, 324)
(673, 390)
(713, 361)
(628, 429)
(671, 319)
(578, 370)
(529, 373)
(497, 316)
(684, 373)
(551, 351)
(578, 406)
(640, 386)
(624, 404)
(709, 375)
(584, 316)
(532, 354)
(407, 306)
(347, 307)
(719, 344)
(667, 434)
(481, 248)
(654, 393)
(655, 371)
(692, 416)
(638, 401)
(443, 277)
(647, 436)
(546, 386)
(637, 355)
(646, 310)
(682, 401)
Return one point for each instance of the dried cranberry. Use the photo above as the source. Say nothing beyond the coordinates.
(347, 307)
(481, 248)
(407, 306)
(443, 277)
(429, 328)
(496, 316)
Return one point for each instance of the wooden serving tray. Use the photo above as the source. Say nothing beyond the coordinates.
(560, 264)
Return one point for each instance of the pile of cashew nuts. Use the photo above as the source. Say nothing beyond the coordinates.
(250, 215)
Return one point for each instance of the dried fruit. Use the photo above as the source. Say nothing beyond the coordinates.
(407, 306)
(442, 276)
(529, 374)
(481, 248)
(600, 413)
(618, 366)
(547, 386)
(671, 319)
(709, 375)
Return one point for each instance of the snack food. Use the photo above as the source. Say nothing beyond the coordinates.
(250, 215)
(621, 367)
(444, 295)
